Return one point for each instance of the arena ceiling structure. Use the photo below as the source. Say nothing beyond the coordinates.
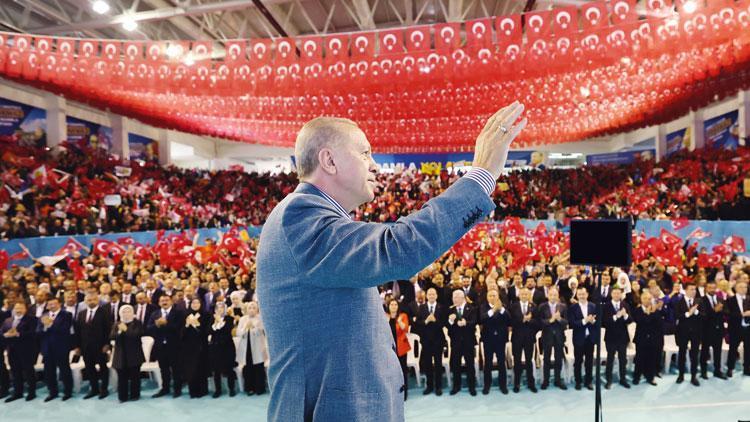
(418, 76)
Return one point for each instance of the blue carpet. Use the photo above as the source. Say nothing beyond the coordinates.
(715, 400)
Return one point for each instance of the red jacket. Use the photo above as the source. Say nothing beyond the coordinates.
(402, 343)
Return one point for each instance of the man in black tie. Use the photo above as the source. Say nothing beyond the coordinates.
(128, 296)
(604, 294)
(713, 330)
(689, 326)
(553, 319)
(616, 338)
(470, 293)
(494, 320)
(56, 341)
(19, 334)
(462, 322)
(92, 340)
(541, 293)
(431, 318)
(165, 327)
(153, 293)
(523, 339)
(582, 317)
(113, 307)
(143, 309)
(738, 308)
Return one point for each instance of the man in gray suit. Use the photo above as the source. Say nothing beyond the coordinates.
(332, 353)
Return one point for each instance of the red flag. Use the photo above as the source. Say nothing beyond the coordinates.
(236, 51)
(260, 53)
(680, 223)
(735, 243)
(709, 261)
(447, 37)
(311, 50)
(594, 15)
(363, 46)
(538, 25)
(670, 240)
(286, 53)
(698, 234)
(337, 48)
(479, 34)
(19, 256)
(391, 41)
(77, 268)
(417, 39)
(509, 31)
(4, 259)
(71, 246)
(566, 20)
(623, 11)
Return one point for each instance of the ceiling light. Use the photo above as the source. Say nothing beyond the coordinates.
(129, 24)
(690, 6)
(100, 6)
(174, 51)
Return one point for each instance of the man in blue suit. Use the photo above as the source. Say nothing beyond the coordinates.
(332, 353)
(56, 342)
(582, 317)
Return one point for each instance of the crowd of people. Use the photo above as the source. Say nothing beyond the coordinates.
(205, 322)
(72, 189)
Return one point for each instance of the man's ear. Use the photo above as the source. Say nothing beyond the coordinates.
(326, 161)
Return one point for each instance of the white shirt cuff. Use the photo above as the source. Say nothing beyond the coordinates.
(483, 177)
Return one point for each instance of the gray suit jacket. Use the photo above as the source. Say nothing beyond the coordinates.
(331, 349)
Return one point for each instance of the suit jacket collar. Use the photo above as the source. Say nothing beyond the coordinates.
(309, 188)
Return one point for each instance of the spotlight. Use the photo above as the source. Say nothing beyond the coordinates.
(174, 51)
(129, 24)
(100, 6)
(690, 6)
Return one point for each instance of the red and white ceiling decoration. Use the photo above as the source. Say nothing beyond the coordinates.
(583, 71)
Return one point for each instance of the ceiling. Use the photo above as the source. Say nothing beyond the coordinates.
(231, 19)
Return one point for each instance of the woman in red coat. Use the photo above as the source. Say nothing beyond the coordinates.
(399, 323)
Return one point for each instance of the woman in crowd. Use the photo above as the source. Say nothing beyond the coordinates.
(253, 350)
(399, 323)
(221, 352)
(195, 349)
(128, 354)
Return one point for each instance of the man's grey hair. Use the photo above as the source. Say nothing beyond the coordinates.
(319, 133)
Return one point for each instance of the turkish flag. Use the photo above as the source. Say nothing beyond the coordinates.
(736, 243)
(337, 48)
(286, 53)
(509, 31)
(4, 259)
(594, 15)
(680, 223)
(417, 39)
(111, 50)
(447, 37)
(658, 5)
(565, 20)
(260, 53)
(133, 51)
(479, 34)
(363, 46)
(670, 240)
(70, 247)
(538, 25)
(311, 50)
(391, 41)
(623, 11)
(236, 51)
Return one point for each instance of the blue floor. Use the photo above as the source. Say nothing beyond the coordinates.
(715, 400)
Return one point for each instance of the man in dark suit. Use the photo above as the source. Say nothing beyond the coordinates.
(431, 318)
(582, 317)
(494, 320)
(113, 307)
(616, 319)
(19, 334)
(647, 320)
(56, 341)
(738, 309)
(469, 291)
(523, 339)
(5, 313)
(128, 295)
(165, 326)
(412, 309)
(462, 322)
(713, 330)
(541, 293)
(93, 327)
(689, 326)
(553, 320)
(153, 293)
(604, 293)
(209, 299)
(514, 289)
(143, 309)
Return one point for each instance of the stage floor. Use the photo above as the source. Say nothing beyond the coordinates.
(715, 399)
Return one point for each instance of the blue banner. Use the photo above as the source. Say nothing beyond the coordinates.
(143, 148)
(515, 159)
(678, 140)
(622, 157)
(22, 124)
(723, 131)
(94, 134)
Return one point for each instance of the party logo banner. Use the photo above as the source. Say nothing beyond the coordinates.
(94, 134)
(621, 157)
(143, 148)
(678, 140)
(723, 131)
(22, 124)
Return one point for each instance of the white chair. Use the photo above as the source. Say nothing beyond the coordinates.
(670, 349)
(76, 369)
(151, 368)
(238, 368)
(569, 355)
(411, 360)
